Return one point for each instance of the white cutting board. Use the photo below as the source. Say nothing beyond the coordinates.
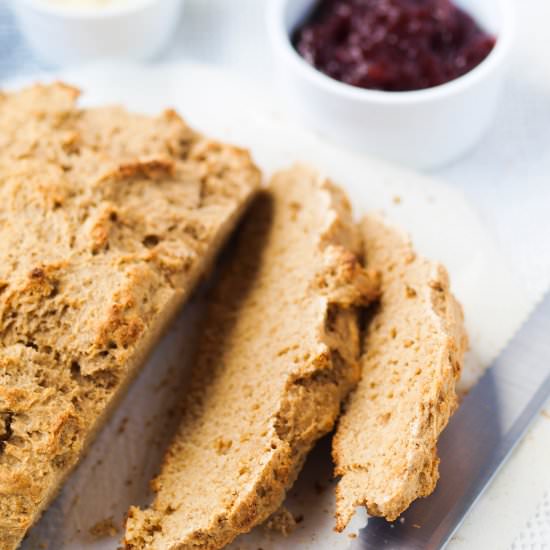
(117, 469)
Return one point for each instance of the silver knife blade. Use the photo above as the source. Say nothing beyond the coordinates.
(479, 438)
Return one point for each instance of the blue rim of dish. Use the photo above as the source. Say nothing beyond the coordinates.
(280, 39)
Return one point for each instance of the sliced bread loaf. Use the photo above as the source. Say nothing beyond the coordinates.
(107, 221)
(277, 355)
(385, 444)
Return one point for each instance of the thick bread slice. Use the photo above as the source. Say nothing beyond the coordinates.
(278, 353)
(385, 444)
(107, 221)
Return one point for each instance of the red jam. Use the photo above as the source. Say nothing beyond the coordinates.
(392, 45)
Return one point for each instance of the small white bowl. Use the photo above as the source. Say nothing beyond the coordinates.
(424, 128)
(66, 35)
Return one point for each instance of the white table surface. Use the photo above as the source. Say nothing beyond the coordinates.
(507, 180)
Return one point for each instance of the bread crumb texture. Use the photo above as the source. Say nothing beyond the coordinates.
(413, 346)
(104, 528)
(277, 355)
(106, 220)
(282, 521)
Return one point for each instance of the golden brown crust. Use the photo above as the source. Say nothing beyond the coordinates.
(107, 220)
(385, 444)
(277, 355)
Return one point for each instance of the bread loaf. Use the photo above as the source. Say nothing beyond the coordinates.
(277, 355)
(413, 346)
(107, 221)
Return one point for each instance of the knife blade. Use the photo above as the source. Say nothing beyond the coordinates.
(481, 435)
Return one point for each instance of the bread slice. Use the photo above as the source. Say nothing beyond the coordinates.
(107, 221)
(277, 355)
(385, 444)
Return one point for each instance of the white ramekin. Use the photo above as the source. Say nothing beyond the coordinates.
(134, 30)
(423, 129)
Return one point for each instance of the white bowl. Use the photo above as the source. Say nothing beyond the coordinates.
(65, 35)
(424, 128)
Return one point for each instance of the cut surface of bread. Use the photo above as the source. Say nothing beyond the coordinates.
(384, 448)
(107, 221)
(277, 355)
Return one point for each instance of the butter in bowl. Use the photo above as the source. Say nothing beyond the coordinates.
(69, 32)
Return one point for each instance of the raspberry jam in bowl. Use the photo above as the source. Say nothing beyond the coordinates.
(392, 45)
(414, 81)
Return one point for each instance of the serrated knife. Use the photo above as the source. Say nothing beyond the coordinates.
(479, 438)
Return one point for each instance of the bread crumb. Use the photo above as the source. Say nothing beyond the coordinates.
(397, 199)
(410, 292)
(104, 528)
(352, 535)
(282, 521)
(545, 413)
(122, 426)
(222, 445)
